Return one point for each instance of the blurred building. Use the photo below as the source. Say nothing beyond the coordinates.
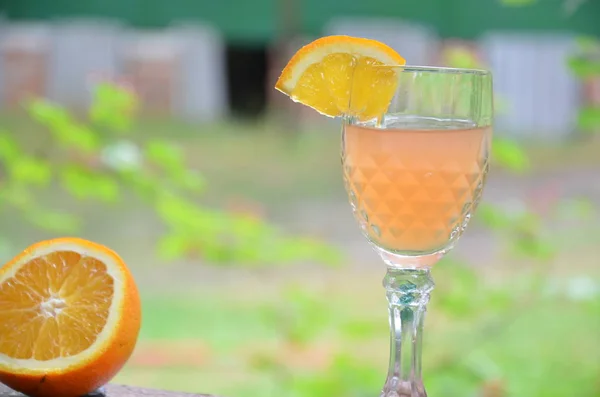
(204, 60)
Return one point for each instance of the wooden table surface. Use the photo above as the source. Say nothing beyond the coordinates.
(117, 391)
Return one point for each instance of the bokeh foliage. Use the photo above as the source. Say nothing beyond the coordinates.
(96, 159)
(586, 66)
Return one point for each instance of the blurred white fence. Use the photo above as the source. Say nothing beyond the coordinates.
(180, 70)
(24, 52)
(151, 62)
(203, 85)
(531, 77)
(81, 52)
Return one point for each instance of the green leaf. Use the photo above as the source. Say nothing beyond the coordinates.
(166, 155)
(113, 107)
(173, 246)
(460, 57)
(67, 132)
(58, 222)
(9, 148)
(360, 329)
(48, 114)
(577, 208)
(144, 184)
(455, 380)
(29, 170)
(298, 249)
(458, 297)
(217, 252)
(533, 247)
(588, 44)
(78, 137)
(584, 66)
(83, 183)
(179, 213)
(192, 181)
(492, 216)
(509, 154)
(499, 300)
(589, 118)
(586, 63)
(355, 374)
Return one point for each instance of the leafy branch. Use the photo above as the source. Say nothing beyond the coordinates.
(98, 160)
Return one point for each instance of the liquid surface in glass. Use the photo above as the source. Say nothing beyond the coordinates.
(414, 182)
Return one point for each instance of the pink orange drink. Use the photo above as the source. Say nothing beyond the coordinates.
(413, 187)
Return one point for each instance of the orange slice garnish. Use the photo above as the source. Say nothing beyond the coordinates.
(342, 75)
(69, 318)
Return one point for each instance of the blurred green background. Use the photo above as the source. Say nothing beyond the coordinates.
(228, 205)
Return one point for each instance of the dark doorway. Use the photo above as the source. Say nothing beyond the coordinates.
(247, 79)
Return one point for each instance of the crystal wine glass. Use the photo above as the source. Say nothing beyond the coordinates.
(414, 176)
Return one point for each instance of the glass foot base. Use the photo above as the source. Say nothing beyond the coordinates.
(399, 388)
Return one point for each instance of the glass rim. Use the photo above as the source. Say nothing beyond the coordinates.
(437, 69)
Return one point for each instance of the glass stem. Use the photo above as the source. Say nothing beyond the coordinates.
(407, 292)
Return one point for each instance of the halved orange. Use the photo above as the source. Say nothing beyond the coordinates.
(342, 75)
(69, 318)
